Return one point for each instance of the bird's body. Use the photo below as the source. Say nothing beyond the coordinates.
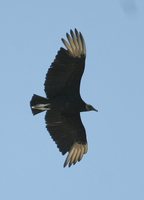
(64, 103)
(68, 104)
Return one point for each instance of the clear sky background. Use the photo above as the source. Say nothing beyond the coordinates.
(31, 166)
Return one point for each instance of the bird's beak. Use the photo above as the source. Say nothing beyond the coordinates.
(95, 109)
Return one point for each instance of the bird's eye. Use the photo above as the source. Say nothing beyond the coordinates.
(87, 107)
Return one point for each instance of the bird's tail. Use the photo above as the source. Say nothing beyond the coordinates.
(39, 104)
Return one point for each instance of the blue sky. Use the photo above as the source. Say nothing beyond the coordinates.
(30, 36)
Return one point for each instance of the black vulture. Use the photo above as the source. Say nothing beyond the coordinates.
(64, 103)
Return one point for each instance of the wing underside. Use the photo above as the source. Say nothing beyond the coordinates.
(64, 74)
(68, 133)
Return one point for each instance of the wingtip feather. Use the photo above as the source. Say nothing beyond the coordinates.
(75, 43)
(75, 154)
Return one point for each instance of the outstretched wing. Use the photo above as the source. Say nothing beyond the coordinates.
(68, 133)
(64, 74)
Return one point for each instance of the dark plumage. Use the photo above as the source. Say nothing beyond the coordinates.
(63, 103)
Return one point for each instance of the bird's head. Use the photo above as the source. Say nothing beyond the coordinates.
(90, 108)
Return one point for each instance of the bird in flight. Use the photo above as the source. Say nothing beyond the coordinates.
(64, 103)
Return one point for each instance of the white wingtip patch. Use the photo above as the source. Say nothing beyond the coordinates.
(75, 154)
(75, 43)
